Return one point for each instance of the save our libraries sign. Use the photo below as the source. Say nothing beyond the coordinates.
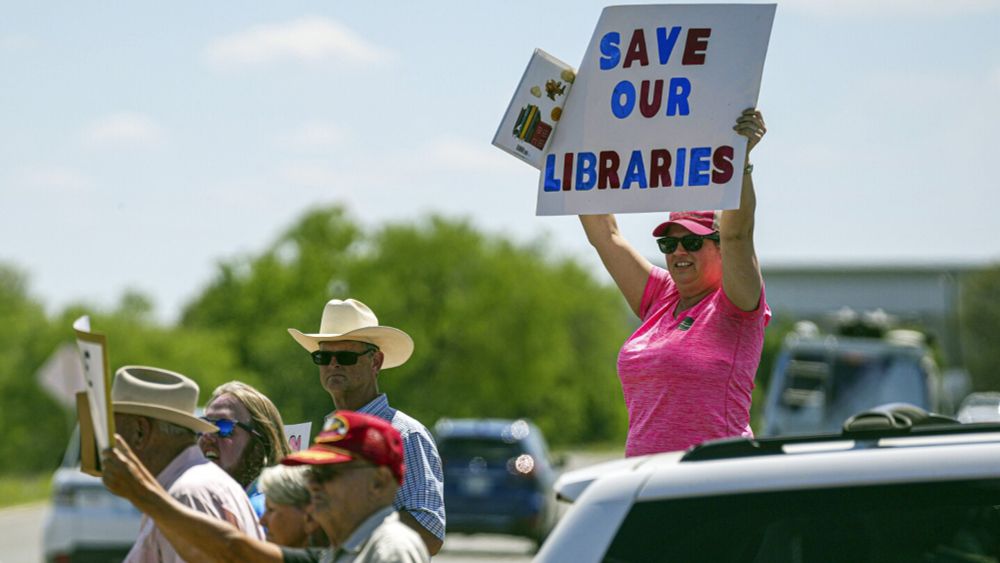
(648, 125)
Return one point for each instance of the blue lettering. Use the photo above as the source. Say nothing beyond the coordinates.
(636, 172)
(677, 97)
(699, 166)
(622, 108)
(552, 184)
(680, 159)
(610, 53)
(586, 171)
(665, 43)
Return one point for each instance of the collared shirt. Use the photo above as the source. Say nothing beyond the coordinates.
(422, 492)
(202, 485)
(381, 538)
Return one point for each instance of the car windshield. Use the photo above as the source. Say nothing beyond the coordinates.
(490, 450)
(924, 522)
(820, 393)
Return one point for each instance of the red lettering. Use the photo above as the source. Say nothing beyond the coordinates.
(649, 106)
(694, 48)
(568, 172)
(637, 50)
(722, 160)
(659, 168)
(608, 174)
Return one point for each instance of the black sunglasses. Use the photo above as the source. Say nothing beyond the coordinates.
(226, 427)
(344, 358)
(691, 243)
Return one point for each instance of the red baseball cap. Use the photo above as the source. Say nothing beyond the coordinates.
(698, 222)
(350, 435)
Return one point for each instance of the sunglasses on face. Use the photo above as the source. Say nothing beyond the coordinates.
(691, 243)
(226, 426)
(344, 358)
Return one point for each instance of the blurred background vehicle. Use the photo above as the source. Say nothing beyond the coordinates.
(819, 380)
(498, 477)
(85, 523)
(983, 406)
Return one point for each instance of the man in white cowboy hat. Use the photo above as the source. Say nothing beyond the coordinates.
(154, 414)
(351, 348)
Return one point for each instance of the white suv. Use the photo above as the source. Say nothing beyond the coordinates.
(897, 484)
(85, 522)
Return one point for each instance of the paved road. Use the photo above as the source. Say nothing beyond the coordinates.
(21, 532)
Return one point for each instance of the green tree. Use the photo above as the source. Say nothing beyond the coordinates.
(980, 321)
(34, 425)
(501, 329)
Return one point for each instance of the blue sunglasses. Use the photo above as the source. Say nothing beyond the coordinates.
(226, 427)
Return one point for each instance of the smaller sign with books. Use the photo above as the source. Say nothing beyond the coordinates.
(537, 105)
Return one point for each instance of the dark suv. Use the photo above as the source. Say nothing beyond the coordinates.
(498, 477)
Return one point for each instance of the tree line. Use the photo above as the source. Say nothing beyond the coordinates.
(502, 329)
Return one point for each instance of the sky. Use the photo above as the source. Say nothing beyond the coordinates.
(143, 143)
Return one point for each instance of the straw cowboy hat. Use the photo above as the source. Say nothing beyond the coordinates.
(158, 393)
(353, 320)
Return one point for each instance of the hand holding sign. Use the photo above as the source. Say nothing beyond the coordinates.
(648, 125)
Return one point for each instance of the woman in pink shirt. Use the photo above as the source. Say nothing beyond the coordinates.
(687, 372)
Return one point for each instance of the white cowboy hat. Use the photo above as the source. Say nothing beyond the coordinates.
(353, 320)
(158, 393)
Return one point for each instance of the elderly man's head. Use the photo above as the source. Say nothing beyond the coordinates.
(355, 469)
(154, 412)
(251, 434)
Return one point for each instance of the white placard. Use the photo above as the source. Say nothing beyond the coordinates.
(649, 124)
(97, 377)
(298, 435)
(536, 108)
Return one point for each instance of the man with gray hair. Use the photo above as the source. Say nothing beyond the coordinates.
(155, 415)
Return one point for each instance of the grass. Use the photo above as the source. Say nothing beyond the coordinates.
(23, 489)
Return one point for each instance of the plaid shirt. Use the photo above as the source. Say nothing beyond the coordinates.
(422, 493)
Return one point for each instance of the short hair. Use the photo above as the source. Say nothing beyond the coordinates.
(264, 415)
(286, 484)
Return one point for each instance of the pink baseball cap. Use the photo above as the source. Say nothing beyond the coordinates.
(698, 222)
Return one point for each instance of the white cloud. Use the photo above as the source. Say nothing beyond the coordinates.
(890, 8)
(16, 42)
(310, 39)
(124, 129)
(54, 180)
(994, 79)
(315, 135)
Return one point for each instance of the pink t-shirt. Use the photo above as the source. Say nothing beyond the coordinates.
(689, 379)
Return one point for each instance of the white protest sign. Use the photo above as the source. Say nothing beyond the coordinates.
(297, 435)
(97, 377)
(649, 123)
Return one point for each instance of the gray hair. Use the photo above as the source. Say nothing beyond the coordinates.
(284, 484)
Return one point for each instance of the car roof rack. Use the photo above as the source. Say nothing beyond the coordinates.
(887, 421)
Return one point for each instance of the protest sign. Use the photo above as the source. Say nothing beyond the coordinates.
(297, 435)
(535, 109)
(90, 458)
(649, 123)
(97, 377)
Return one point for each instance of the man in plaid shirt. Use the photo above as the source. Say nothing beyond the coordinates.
(351, 348)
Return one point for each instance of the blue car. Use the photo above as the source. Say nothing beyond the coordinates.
(498, 477)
